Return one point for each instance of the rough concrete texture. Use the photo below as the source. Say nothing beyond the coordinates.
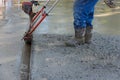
(12, 28)
(52, 60)
(60, 61)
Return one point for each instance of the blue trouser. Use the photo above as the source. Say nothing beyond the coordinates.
(83, 13)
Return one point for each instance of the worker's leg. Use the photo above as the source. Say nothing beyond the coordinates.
(82, 12)
(80, 16)
(79, 23)
(89, 27)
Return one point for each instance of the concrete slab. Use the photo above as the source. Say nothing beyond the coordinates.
(12, 28)
(52, 60)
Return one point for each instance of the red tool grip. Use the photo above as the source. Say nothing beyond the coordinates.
(34, 27)
(38, 13)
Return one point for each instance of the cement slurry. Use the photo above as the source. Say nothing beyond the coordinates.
(52, 60)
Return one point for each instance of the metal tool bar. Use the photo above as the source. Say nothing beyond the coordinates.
(43, 17)
(42, 9)
(34, 27)
(27, 37)
(55, 3)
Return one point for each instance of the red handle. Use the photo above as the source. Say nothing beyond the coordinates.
(38, 13)
(34, 27)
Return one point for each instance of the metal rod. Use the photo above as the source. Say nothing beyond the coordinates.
(55, 3)
(34, 18)
(42, 18)
(40, 10)
(34, 27)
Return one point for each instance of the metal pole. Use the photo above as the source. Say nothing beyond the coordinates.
(40, 10)
(53, 6)
(43, 17)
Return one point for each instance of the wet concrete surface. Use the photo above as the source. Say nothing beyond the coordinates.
(52, 60)
(106, 28)
(12, 27)
(25, 62)
(107, 19)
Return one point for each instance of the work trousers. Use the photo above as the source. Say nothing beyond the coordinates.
(83, 13)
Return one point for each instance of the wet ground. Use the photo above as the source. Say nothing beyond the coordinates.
(13, 23)
(52, 60)
(12, 27)
(107, 18)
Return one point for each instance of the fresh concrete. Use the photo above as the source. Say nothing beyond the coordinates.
(51, 60)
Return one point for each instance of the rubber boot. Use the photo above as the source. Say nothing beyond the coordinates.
(88, 34)
(79, 38)
(110, 3)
